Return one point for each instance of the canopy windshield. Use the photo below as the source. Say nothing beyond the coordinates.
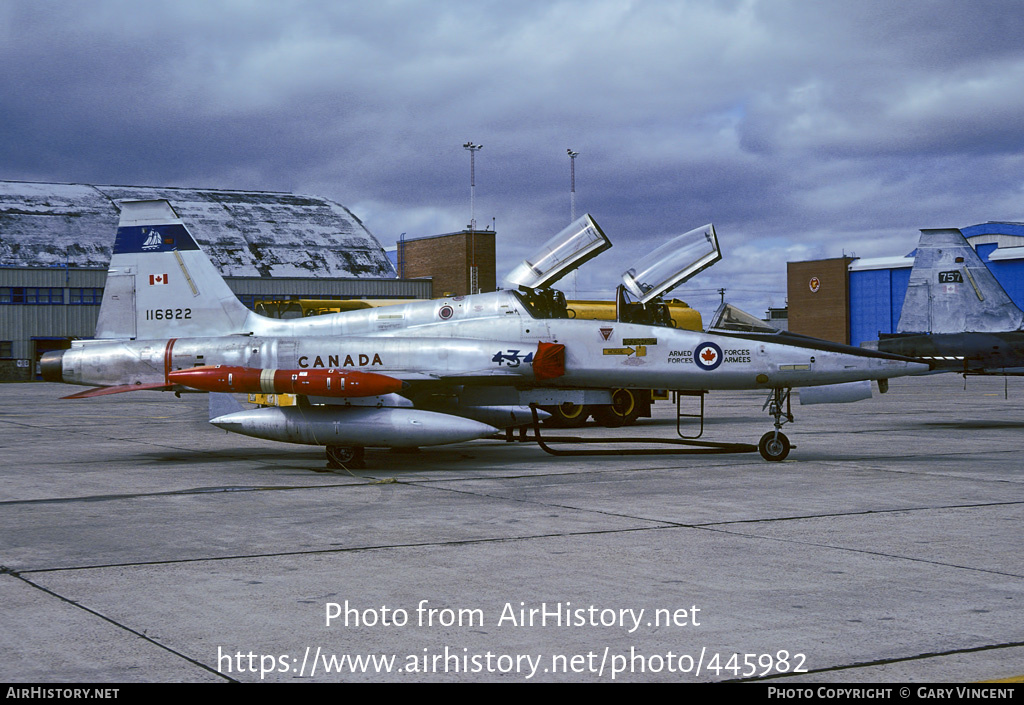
(730, 318)
(581, 241)
(673, 263)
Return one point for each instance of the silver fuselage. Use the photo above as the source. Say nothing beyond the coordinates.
(489, 338)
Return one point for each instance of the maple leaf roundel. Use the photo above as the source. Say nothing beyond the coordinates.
(708, 356)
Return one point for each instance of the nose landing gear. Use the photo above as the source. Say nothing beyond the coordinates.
(774, 446)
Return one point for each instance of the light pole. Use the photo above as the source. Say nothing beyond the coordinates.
(572, 183)
(473, 149)
(572, 201)
(474, 282)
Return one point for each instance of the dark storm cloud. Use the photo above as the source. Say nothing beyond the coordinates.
(803, 129)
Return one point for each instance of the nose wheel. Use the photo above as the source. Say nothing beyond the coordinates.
(774, 446)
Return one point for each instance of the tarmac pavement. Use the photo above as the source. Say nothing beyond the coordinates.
(140, 544)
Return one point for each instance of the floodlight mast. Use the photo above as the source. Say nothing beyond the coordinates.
(572, 201)
(473, 149)
(572, 183)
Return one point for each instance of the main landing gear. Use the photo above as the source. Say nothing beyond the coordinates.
(774, 446)
(627, 406)
(345, 457)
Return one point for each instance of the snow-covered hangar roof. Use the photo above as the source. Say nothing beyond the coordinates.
(246, 233)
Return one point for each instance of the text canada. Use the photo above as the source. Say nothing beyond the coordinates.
(358, 360)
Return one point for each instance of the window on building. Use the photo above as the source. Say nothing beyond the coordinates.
(6, 348)
(80, 296)
(44, 295)
(31, 295)
(12, 294)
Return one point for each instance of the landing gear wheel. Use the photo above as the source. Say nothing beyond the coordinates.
(624, 409)
(774, 446)
(567, 415)
(341, 457)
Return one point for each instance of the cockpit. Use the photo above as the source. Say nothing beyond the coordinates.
(730, 319)
(543, 303)
(639, 299)
(575, 245)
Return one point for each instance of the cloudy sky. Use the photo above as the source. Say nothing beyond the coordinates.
(802, 129)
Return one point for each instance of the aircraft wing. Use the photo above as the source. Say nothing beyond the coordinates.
(415, 382)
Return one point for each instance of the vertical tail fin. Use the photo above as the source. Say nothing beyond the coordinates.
(952, 291)
(160, 284)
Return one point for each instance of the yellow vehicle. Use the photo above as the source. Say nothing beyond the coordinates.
(301, 308)
(627, 404)
(681, 314)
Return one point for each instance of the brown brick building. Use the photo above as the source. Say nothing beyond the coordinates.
(819, 298)
(450, 260)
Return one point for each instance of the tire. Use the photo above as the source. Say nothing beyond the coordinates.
(567, 415)
(774, 447)
(350, 457)
(624, 409)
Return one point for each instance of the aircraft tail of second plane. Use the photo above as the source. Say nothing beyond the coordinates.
(952, 291)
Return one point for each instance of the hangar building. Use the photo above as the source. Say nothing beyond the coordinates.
(55, 244)
(851, 300)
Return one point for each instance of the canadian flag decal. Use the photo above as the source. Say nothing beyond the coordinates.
(157, 279)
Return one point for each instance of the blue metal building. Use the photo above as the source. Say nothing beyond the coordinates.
(877, 286)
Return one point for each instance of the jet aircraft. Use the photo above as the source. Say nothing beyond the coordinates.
(426, 372)
(956, 315)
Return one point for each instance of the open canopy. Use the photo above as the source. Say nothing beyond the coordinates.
(580, 242)
(672, 264)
